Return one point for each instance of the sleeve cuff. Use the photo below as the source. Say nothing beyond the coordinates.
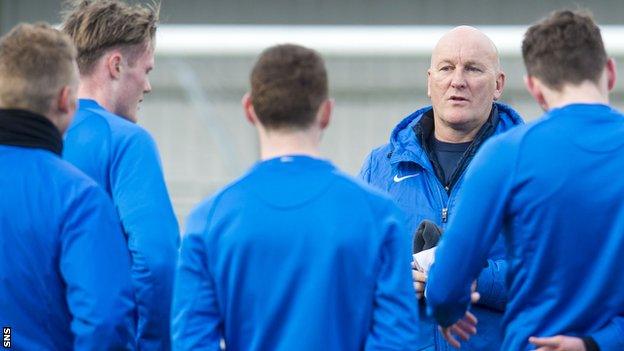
(609, 338)
(590, 344)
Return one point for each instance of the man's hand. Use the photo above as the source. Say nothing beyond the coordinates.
(464, 328)
(474, 295)
(423, 260)
(558, 343)
(419, 279)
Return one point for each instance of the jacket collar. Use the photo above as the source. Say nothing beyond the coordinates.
(84, 105)
(28, 129)
(406, 147)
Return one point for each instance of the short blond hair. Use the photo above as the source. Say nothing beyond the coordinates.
(36, 61)
(97, 26)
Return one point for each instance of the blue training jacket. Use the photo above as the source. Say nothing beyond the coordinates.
(403, 169)
(123, 159)
(556, 189)
(64, 266)
(294, 255)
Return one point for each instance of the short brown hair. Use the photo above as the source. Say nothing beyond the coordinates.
(96, 26)
(36, 61)
(288, 85)
(565, 47)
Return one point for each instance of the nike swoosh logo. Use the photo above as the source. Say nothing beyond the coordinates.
(398, 179)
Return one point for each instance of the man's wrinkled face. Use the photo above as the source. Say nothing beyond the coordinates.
(464, 79)
(134, 83)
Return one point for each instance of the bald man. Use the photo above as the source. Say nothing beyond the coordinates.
(423, 166)
(556, 187)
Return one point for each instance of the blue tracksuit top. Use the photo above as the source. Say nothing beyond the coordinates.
(122, 158)
(64, 266)
(403, 169)
(555, 188)
(294, 255)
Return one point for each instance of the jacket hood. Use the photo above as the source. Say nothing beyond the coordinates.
(405, 147)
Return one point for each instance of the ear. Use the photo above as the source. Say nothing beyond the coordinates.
(64, 101)
(611, 73)
(534, 86)
(250, 113)
(429, 83)
(113, 64)
(500, 85)
(325, 111)
(63, 108)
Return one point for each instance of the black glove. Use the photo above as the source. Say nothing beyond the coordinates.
(427, 236)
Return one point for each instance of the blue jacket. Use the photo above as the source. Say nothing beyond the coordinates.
(294, 255)
(122, 158)
(403, 169)
(64, 266)
(556, 189)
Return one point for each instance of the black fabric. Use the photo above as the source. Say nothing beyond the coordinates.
(590, 344)
(448, 155)
(427, 236)
(28, 129)
(424, 131)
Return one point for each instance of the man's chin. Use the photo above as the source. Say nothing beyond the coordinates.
(459, 118)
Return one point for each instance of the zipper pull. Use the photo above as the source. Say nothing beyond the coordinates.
(444, 215)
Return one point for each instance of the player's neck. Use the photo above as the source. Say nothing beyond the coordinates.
(584, 93)
(92, 89)
(276, 144)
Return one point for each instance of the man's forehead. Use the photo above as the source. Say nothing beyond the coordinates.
(465, 44)
(464, 53)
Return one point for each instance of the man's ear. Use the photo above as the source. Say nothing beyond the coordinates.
(611, 73)
(113, 64)
(429, 83)
(250, 113)
(500, 85)
(64, 101)
(534, 86)
(325, 111)
(62, 109)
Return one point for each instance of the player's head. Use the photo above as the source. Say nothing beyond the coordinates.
(38, 72)
(288, 90)
(566, 48)
(115, 43)
(464, 78)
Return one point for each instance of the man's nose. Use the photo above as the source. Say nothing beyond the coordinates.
(458, 80)
(148, 87)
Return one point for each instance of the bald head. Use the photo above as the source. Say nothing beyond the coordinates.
(464, 79)
(467, 39)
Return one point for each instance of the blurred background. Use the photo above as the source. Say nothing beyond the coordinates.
(377, 54)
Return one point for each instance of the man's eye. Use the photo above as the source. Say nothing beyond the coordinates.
(473, 69)
(445, 68)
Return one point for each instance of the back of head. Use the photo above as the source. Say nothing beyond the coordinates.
(97, 26)
(36, 61)
(564, 48)
(288, 85)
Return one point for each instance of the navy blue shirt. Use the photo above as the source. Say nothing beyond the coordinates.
(447, 155)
